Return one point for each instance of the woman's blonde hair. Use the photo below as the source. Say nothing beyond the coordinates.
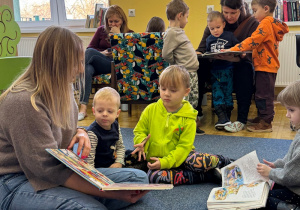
(173, 76)
(116, 10)
(57, 60)
(290, 96)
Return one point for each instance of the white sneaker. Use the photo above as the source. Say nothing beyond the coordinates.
(235, 127)
(81, 116)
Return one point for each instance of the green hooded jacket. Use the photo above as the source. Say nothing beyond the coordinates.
(172, 134)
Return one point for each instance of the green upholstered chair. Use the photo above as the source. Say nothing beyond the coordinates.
(11, 67)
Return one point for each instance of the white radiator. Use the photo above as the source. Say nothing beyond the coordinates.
(26, 45)
(288, 72)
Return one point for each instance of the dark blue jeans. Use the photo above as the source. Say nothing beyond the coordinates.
(243, 86)
(17, 193)
(95, 63)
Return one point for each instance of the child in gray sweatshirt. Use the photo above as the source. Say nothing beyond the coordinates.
(285, 172)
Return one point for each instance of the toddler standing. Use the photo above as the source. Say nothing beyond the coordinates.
(222, 81)
(178, 49)
(264, 43)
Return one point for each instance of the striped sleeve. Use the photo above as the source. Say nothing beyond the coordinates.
(94, 141)
(120, 149)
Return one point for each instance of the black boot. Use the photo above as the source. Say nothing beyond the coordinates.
(228, 111)
(224, 161)
(222, 117)
(282, 205)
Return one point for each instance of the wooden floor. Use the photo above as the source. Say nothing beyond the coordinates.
(281, 128)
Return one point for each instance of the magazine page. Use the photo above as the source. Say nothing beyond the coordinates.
(92, 175)
(242, 171)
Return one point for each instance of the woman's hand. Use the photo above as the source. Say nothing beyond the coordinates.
(107, 53)
(263, 169)
(115, 29)
(270, 164)
(155, 165)
(140, 148)
(83, 141)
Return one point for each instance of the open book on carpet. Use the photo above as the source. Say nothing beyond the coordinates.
(214, 54)
(92, 175)
(242, 186)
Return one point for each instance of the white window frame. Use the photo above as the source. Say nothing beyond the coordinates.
(58, 18)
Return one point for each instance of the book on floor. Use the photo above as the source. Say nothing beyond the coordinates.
(213, 55)
(242, 186)
(92, 175)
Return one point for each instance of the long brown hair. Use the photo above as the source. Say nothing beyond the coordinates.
(57, 59)
(116, 10)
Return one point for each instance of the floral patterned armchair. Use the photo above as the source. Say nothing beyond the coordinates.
(138, 63)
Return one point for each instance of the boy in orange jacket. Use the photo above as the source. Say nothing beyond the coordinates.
(264, 44)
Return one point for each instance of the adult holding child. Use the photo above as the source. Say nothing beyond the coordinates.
(239, 21)
(43, 99)
(98, 54)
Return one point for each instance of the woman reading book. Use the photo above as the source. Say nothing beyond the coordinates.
(38, 111)
(239, 21)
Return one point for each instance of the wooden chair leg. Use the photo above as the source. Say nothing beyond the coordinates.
(129, 109)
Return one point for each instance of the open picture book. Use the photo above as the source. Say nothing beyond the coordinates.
(214, 54)
(92, 175)
(242, 186)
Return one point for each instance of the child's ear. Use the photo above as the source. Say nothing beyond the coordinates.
(187, 91)
(93, 109)
(267, 8)
(118, 113)
(179, 15)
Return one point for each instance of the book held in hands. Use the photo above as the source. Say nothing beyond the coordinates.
(92, 175)
(242, 186)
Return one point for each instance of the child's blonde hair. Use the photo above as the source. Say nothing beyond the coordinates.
(270, 3)
(175, 7)
(107, 93)
(156, 24)
(214, 15)
(173, 76)
(290, 96)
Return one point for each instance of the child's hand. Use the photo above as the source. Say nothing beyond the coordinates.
(155, 165)
(270, 164)
(116, 165)
(140, 148)
(263, 169)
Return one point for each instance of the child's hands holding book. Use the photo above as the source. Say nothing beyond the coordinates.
(263, 169)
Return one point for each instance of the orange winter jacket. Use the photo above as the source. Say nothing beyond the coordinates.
(264, 43)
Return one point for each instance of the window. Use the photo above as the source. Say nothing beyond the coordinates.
(43, 13)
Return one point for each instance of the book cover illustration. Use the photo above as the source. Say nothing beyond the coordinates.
(92, 175)
(242, 186)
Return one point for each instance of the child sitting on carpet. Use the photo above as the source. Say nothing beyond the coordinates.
(285, 172)
(166, 132)
(107, 148)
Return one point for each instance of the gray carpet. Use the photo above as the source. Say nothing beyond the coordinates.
(195, 196)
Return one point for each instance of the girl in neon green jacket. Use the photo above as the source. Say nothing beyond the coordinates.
(166, 132)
